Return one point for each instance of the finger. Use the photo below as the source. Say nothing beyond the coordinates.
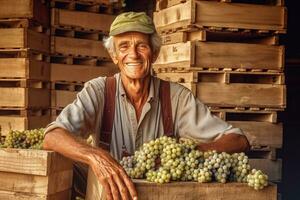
(129, 185)
(114, 189)
(122, 187)
(107, 191)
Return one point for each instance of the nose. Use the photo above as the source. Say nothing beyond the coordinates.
(133, 52)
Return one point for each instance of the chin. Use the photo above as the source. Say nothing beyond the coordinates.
(137, 75)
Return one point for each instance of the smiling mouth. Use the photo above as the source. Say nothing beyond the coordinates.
(132, 64)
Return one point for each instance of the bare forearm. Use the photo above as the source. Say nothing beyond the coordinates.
(110, 174)
(63, 142)
(230, 143)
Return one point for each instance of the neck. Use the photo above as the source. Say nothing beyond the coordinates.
(137, 90)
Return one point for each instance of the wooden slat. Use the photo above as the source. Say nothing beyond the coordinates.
(215, 36)
(261, 133)
(24, 97)
(24, 68)
(242, 95)
(61, 98)
(78, 47)
(22, 123)
(33, 9)
(34, 162)
(225, 15)
(221, 55)
(32, 184)
(188, 191)
(245, 115)
(207, 191)
(24, 38)
(100, 22)
(273, 168)
(8, 195)
(81, 73)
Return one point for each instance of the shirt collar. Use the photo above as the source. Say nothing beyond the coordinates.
(153, 92)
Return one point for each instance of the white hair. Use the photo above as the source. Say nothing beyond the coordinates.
(154, 39)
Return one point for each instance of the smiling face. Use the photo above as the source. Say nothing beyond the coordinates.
(133, 54)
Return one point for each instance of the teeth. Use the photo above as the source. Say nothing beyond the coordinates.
(133, 64)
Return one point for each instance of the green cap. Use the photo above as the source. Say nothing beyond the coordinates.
(132, 21)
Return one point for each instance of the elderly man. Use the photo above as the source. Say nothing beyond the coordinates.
(131, 108)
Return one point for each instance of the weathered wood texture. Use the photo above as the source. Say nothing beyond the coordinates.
(202, 191)
(78, 47)
(221, 55)
(34, 174)
(81, 73)
(24, 68)
(245, 115)
(84, 20)
(8, 195)
(32, 9)
(163, 4)
(24, 38)
(221, 36)
(243, 95)
(237, 94)
(273, 168)
(22, 123)
(218, 14)
(32, 162)
(61, 98)
(187, 191)
(261, 134)
(24, 97)
(32, 184)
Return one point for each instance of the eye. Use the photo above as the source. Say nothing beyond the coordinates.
(143, 46)
(123, 47)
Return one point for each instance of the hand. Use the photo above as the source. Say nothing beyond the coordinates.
(112, 176)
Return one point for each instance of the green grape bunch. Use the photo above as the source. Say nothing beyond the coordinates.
(166, 159)
(27, 139)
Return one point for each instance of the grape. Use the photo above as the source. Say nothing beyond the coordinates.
(257, 179)
(28, 139)
(166, 159)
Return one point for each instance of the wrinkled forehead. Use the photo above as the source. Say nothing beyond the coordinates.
(131, 37)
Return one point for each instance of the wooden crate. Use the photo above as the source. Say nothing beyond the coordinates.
(99, 22)
(97, 6)
(163, 4)
(61, 98)
(34, 174)
(78, 47)
(219, 35)
(261, 134)
(24, 97)
(233, 93)
(21, 123)
(24, 38)
(187, 190)
(191, 55)
(223, 15)
(80, 73)
(207, 191)
(24, 68)
(246, 114)
(32, 9)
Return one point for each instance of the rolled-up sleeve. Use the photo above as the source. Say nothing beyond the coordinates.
(195, 120)
(82, 116)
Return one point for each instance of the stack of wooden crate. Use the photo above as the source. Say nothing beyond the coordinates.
(77, 51)
(228, 54)
(24, 71)
(34, 175)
